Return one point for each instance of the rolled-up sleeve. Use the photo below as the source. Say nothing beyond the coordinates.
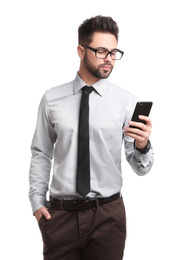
(42, 153)
(140, 163)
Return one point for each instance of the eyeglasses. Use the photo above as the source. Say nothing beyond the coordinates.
(102, 53)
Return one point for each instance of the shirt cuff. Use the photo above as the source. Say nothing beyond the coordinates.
(144, 159)
(37, 202)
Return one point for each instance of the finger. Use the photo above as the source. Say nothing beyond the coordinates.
(145, 127)
(46, 213)
(146, 119)
(138, 135)
(138, 125)
(142, 131)
(138, 138)
(134, 130)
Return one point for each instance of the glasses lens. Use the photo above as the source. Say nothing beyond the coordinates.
(102, 54)
(116, 55)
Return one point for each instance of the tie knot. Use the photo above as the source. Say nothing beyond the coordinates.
(88, 89)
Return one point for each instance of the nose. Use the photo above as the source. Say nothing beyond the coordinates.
(108, 58)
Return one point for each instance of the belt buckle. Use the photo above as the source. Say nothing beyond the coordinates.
(82, 204)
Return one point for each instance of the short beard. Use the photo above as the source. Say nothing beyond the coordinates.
(96, 72)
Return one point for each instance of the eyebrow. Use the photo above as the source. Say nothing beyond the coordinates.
(115, 49)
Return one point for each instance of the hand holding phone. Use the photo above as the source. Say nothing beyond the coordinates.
(141, 108)
(141, 135)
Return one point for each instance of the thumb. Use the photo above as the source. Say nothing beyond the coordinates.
(46, 214)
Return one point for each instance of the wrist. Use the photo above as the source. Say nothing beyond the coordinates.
(145, 149)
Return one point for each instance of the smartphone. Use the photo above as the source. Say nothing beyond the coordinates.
(141, 108)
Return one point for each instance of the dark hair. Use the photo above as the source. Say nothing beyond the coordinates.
(96, 24)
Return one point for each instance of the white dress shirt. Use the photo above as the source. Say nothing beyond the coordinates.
(56, 137)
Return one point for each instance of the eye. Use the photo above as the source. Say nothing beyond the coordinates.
(114, 53)
(101, 51)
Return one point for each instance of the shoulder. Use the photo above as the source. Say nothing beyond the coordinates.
(122, 93)
(124, 98)
(59, 92)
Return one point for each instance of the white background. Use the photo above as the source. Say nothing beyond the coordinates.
(38, 51)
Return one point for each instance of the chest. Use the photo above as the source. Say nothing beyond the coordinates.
(104, 114)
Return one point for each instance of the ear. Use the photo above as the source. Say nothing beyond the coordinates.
(80, 50)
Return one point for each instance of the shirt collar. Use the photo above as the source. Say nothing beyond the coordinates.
(100, 86)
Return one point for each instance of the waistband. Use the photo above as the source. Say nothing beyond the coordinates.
(80, 205)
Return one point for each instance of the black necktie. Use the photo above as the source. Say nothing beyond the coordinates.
(83, 174)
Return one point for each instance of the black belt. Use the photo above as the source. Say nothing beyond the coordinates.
(80, 205)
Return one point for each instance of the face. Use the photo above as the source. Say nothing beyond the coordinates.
(100, 68)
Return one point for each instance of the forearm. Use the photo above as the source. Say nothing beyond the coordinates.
(42, 153)
(39, 176)
(138, 148)
(141, 163)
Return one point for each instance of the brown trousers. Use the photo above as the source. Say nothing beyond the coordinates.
(96, 234)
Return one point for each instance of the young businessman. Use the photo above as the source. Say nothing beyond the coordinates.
(82, 125)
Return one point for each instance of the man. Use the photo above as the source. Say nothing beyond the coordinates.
(81, 125)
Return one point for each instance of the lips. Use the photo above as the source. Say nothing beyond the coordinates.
(106, 67)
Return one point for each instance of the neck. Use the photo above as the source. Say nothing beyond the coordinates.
(86, 76)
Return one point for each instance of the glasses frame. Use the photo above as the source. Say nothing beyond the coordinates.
(108, 52)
